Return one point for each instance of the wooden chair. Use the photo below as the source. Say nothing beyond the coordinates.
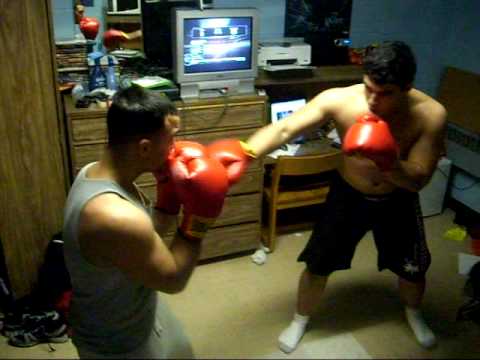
(278, 197)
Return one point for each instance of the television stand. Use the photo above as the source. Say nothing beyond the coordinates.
(217, 88)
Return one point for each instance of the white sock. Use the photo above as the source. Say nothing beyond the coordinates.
(422, 332)
(290, 337)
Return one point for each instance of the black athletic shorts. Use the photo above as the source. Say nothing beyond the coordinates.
(397, 225)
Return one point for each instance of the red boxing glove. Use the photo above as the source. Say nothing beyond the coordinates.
(201, 184)
(370, 136)
(89, 27)
(112, 38)
(167, 198)
(234, 155)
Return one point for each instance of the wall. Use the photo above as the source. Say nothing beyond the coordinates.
(422, 24)
(462, 47)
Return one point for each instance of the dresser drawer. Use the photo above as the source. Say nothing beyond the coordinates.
(236, 209)
(84, 154)
(192, 120)
(89, 129)
(240, 209)
(230, 239)
(221, 116)
(251, 181)
(227, 240)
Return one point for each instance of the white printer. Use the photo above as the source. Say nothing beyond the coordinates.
(287, 53)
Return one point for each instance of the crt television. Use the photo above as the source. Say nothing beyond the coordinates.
(215, 51)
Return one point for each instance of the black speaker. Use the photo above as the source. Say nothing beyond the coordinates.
(157, 29)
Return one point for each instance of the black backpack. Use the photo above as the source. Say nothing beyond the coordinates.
(53, 276)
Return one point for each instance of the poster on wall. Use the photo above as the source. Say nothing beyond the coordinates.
(324, 24)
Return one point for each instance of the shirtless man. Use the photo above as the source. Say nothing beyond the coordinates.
(368, 194)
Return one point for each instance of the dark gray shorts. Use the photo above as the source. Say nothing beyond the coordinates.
(395, 220)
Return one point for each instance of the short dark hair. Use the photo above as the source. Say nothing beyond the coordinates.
(136, 112)
(391, 62)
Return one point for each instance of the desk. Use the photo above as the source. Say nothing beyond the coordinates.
(323, 77)
(321, 146)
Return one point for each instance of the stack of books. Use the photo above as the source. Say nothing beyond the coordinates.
(71, 56)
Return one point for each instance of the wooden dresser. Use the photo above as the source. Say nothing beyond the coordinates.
(204, 120)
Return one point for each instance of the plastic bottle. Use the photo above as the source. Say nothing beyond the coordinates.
(97, 78)
(111, 77)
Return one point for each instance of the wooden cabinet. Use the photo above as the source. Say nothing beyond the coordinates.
(32, 176)
(204, 120)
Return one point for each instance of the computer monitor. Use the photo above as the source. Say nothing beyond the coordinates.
(215, 51)
(281, 109)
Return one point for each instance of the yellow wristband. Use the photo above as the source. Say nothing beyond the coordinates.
(248, 149)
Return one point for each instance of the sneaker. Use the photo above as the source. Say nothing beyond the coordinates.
(13, 323)
(47, 327)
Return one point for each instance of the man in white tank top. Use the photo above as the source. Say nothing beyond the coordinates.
(114, 249)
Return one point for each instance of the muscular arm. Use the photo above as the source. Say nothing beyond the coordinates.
(415, 172)
(116, 233)
(313, 115)
(163, 222)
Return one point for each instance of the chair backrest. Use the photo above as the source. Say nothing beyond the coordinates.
(307, 164)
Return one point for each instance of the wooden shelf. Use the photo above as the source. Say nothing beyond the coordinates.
(123, 19)
(322, 78)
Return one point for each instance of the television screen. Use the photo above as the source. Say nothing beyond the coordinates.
(215, 51)
(217, 44)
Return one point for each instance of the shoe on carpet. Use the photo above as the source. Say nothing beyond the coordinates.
(45, 327)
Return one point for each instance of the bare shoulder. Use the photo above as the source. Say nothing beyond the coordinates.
(110, 222)
(432, 112)
(336, 98)
(340, 94)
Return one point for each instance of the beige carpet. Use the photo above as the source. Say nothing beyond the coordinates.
(343, 346)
